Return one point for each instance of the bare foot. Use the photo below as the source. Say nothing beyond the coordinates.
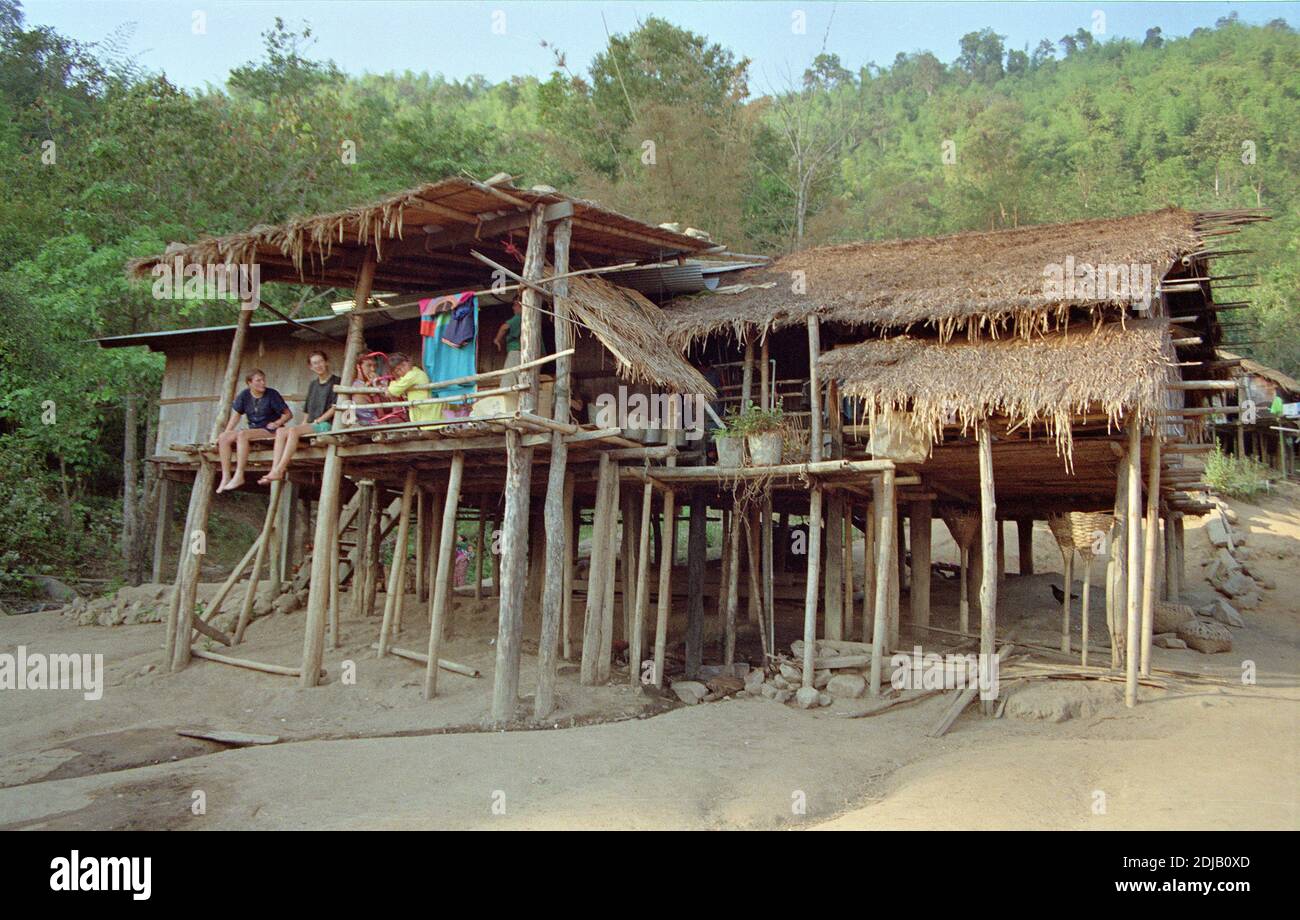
(225, 484)
(235, 483)
(270, 478)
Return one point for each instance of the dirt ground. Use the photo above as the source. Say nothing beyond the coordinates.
(374, 755)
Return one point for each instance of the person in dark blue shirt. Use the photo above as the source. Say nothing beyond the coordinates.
(266, 412)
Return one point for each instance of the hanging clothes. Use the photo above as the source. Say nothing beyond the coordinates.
(449, 326)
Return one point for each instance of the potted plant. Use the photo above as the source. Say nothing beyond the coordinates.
(730, 442)
(764, 433)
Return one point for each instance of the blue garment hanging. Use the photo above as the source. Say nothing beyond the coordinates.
(442, 359)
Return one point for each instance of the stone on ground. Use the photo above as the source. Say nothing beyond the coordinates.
(808, 698)
(849, 686)
(690, 692)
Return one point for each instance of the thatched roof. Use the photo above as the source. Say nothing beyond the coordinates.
(632, 329)
(985, 281)
(1277, 377)
(1118, 369)
(422, 237)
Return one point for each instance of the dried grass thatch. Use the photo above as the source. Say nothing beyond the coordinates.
(326, 248)
(1118, 369)
(632, 329)
(984, 283)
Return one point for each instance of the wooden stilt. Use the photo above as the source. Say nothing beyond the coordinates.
(869, 573)
(1002, 550)
(636, 644)
(478, 547)
(519, 465)
(440, 595)
(1067, 559)
(327, 513)
(755, 586)
(989, 524)
(605, 662)
(833, 587)
(896, 552)
(421, 528)
(1149, 562)
(1025, 546)
(557, 595)
(963, 610)
(920, 521)
(397, 570)
(163, 526)
(214, 605)
(695, 557)
(813, 585)
(570, 551)
(664, 601)
(334, 591)
(194, 540)
(373, 546)
(596, 568)
(627, 559)
(847, 567)
(263, 540)
(769, 571)
(1087, 599)
(360, 552)
(1132, 564)
(724, 581)
(731, 567)
(1180, 554)
(883, 488)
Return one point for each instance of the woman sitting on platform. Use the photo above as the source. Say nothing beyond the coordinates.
(409, 377)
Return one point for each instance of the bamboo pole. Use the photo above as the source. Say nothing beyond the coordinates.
(1134, 602)
(883, 489)
(263, 539)
(397, 569)
(531, 364)
(812, 586)
(868, 572)
(605, 658)
(1025, 546)
(439, 597)
(666, 551)
(214, 606)
(769, 569)
(833, 585)
(421, 526)
(988, 526)
(815, 394)
(755, 589)
(327, 512)
(374, 543)
(248, 664)
(519, 464)
(1149, 563)
(846, 566)
(334, 592)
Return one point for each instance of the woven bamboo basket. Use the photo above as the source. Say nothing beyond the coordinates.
(1084, 526)
(1059, 524)
(963, 524)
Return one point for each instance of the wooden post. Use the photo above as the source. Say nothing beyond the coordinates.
(724, 580)
(815, 396)
(1067, 579)
(605, 659)
(196, 520)
(747, 372)
(765, 376)
(988, 526)
(755, 588)
(1087, 599)
(920, 521)
(846, 566)
(327, 512)
(519, 465)
(627, 560)
(421, 528)
(868, 572)
(833, 586)
(570, 551)
(769, 570)
(1149, 563)
(600, 548)
(365, 501)
(335, 642)
(374, 544)
(397, 571)
(667, 550)
(896, 553)
(695, 552)
(636, 647)
(812, 587)
(1134, 523)
(975, 568)
(883, 489)
(1025, 546)
(730, 585)
(163, 526)
(1002, 550)
(264, 539)
(478, 547)
(1180, 553)
(440, 595)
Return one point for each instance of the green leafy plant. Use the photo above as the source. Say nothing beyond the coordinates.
(1238, 477)
(753, 420)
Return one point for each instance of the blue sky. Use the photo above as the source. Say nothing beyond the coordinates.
(458, 38)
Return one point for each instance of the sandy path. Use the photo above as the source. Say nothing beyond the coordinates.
(1214, 758)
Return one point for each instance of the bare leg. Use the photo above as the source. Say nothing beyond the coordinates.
(286, 442)
(242, 446)
(224, 442)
